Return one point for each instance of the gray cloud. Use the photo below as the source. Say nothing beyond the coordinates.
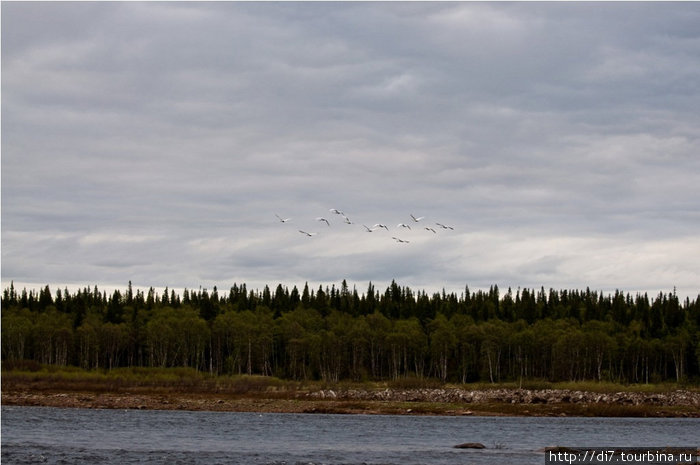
(154, 142)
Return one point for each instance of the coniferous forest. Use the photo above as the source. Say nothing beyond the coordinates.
(338, 333)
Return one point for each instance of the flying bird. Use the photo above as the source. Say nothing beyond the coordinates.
(400, 240)
(403, 225)
(308, 233)
(430, 229)
(379, 225)
(368, 229)
(443, 226)
(323, 219)
(282, 220)
(347, 220)
(336, 211)
(417, 219)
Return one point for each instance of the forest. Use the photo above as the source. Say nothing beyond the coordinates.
(338, 333)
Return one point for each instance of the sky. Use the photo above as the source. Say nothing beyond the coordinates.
(157, 142)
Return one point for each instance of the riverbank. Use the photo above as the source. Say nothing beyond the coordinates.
(257, 394)
(311, 403)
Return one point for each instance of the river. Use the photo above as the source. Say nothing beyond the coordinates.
(82, 436)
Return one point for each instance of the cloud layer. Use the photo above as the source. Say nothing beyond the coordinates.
(155, 142)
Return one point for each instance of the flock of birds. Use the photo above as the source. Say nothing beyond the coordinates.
(402, 226)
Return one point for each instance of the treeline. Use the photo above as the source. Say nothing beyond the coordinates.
(337, 333)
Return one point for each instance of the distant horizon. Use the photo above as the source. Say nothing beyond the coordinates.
(361, 288)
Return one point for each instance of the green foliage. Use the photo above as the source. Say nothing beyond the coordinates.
(527, 337)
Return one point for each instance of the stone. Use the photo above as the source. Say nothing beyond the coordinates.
(470, 445)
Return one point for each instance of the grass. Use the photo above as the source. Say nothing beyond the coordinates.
(180, 379)
(191, 379)
(280, 395)
(187, 388)
(602, 387)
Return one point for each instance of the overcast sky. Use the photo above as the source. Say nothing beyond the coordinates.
(156, 142)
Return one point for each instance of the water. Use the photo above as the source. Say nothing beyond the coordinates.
(81, 436)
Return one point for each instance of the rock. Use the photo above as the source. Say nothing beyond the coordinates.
(470, 445)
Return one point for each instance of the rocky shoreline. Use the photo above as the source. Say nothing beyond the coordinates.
(448, 401)
(515, 396)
